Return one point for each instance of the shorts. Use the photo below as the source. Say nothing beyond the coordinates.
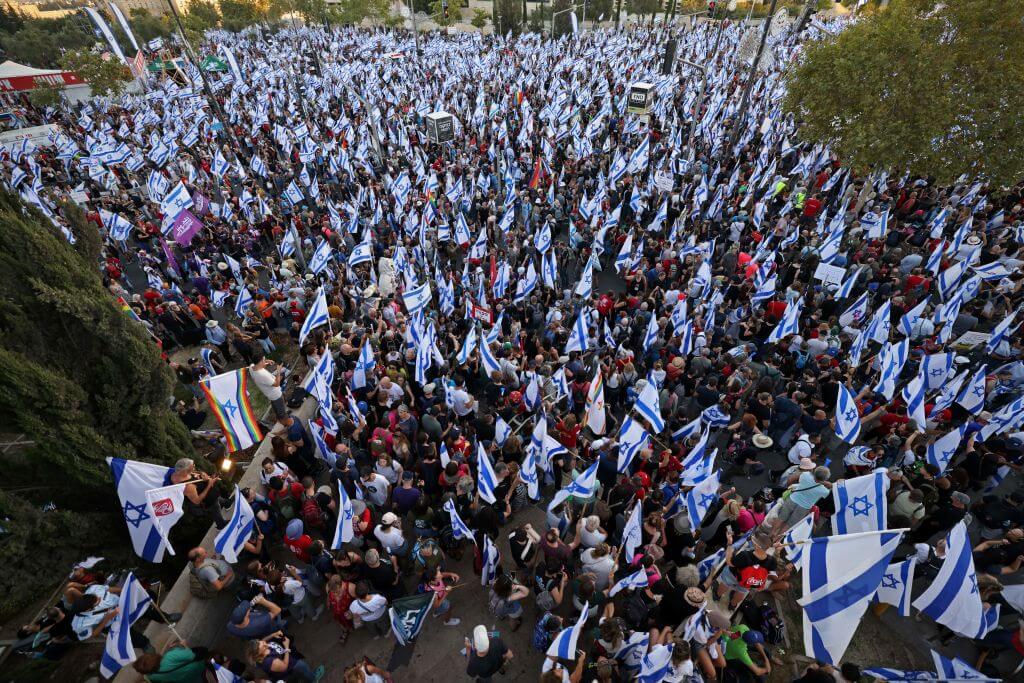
(444, 608)
(730, 580)
(280, 409)
(789, 513)
(513, 610)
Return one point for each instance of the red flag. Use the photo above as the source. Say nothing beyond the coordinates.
(494, 270)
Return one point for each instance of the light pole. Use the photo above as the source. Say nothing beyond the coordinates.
(218, 112)
(700, 99)
(745, 100)
(571, 8)
(415, 31)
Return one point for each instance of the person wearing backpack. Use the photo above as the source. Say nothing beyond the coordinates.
(208, 574)
(286, 498)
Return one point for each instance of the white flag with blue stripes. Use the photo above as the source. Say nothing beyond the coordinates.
(564, 645)
(321, 257)
(343, 527)
(656, 664)
(942, 450)
(132, 479)
(231, 539)
(579, 334)
(417, 298)
(953, 599)
(648, 407)
(790, 323)
(957, 669)
(316, 316)
(635, 580)
(794, 539)
(491, 562)
(972, 396)
(700, 498)
(840, 576)
(632, 533)
(459, 528)
(896, 585)
(486, 480)
(848, 423)
(937, 367)
(632, 439)
(131, 605)
(861, 503)
(583, 486)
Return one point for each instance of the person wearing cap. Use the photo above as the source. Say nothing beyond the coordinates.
(943, 518)
(216, 336)
(739, 640)
(255, 618)
(389, 534)
(297, 540)
(803, 448)
(486, 655)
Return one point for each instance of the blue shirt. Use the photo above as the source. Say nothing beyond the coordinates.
(807, 492)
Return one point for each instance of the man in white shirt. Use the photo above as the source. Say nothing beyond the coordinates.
(267, 376)
(302, 600)
(375, 486)
(464, 402)
(94, 611)
(801, 449)
(368, 608)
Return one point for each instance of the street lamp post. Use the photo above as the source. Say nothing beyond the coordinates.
(745, 100)
(415, 30)
(218, 112)
(571, 8)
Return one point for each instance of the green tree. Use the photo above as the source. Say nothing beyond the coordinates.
(31, 46)
(237, 14)
(46, 96)
(440, 8)
(202, 15)
(147, 26)
(312, 11)
(562, 23)
(11, 20)
(538, 20)
(355, 11)
(479, 19)
(643, 7)
(104, 76)
(929, 88)
(77, 375)
(507, 16)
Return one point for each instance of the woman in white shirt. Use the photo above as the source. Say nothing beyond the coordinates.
(599, 561)
(590, 532)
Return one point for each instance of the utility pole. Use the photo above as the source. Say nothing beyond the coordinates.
(618, 15)
(218, 112)
(745, 100)
(415, 30)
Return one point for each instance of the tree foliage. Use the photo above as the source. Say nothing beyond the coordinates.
(644, 7)
(201, 16)
(438, 10)
(507, 16)
(935, 89)
(34, 42)
(480, 18)
(355, 11)
(147, 26)
(77, 376)
(237, 14)
(104, 76)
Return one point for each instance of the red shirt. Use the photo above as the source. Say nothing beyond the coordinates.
(811, 207)
(300, 546)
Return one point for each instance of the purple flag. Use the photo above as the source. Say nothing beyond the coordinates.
(184, 228)
(200, 203)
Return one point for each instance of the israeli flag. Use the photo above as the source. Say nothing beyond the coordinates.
(840, 576)
(911, 318)
(687, 430)
(243, 302)
(793, 541)
(949, 393)
(913, 395)
(132, 479)
(896, 585)
(361, 253)
(1001, 331)
(490, 363)
(321, 257)
(898, 675)
(468, 346)
(459, 528)
(491, 562)
(585, 288)
(632, 533)
(417, 298)
(632, 439)
(766, 290)
(542, 241)
(848, 423)
(652, 332)
(502, 431)
(119, 228)
(648, 407)
(714, 417)
(936, 368)
(892, 359)
(847, 287)
(949, 278)
(486, 480)
(881, 323)
(175, 201)
(700, 498)
(564, 645)
(953, 599)
(790, 323)
(529, 472)
(131, 605)
(231, 539)
(343, 529)
(583, 486)
(578, 335)
(957, 669)
(365, 364)
(656, 664)
(316, 316)
(972, 397)
(941, 451)
(225, 675)
(861, 503)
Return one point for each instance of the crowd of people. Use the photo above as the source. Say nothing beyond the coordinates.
(597, 293)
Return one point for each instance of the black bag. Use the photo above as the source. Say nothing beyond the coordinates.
(636, 611)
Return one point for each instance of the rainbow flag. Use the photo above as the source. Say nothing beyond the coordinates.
(228, 398)
(128, 310)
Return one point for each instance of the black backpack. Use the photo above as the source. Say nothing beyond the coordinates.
(765, 619)
(636, 610)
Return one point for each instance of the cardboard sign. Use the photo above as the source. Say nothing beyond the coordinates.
(972, 339)
(829, 273)
(78, 196)
(664, 181)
